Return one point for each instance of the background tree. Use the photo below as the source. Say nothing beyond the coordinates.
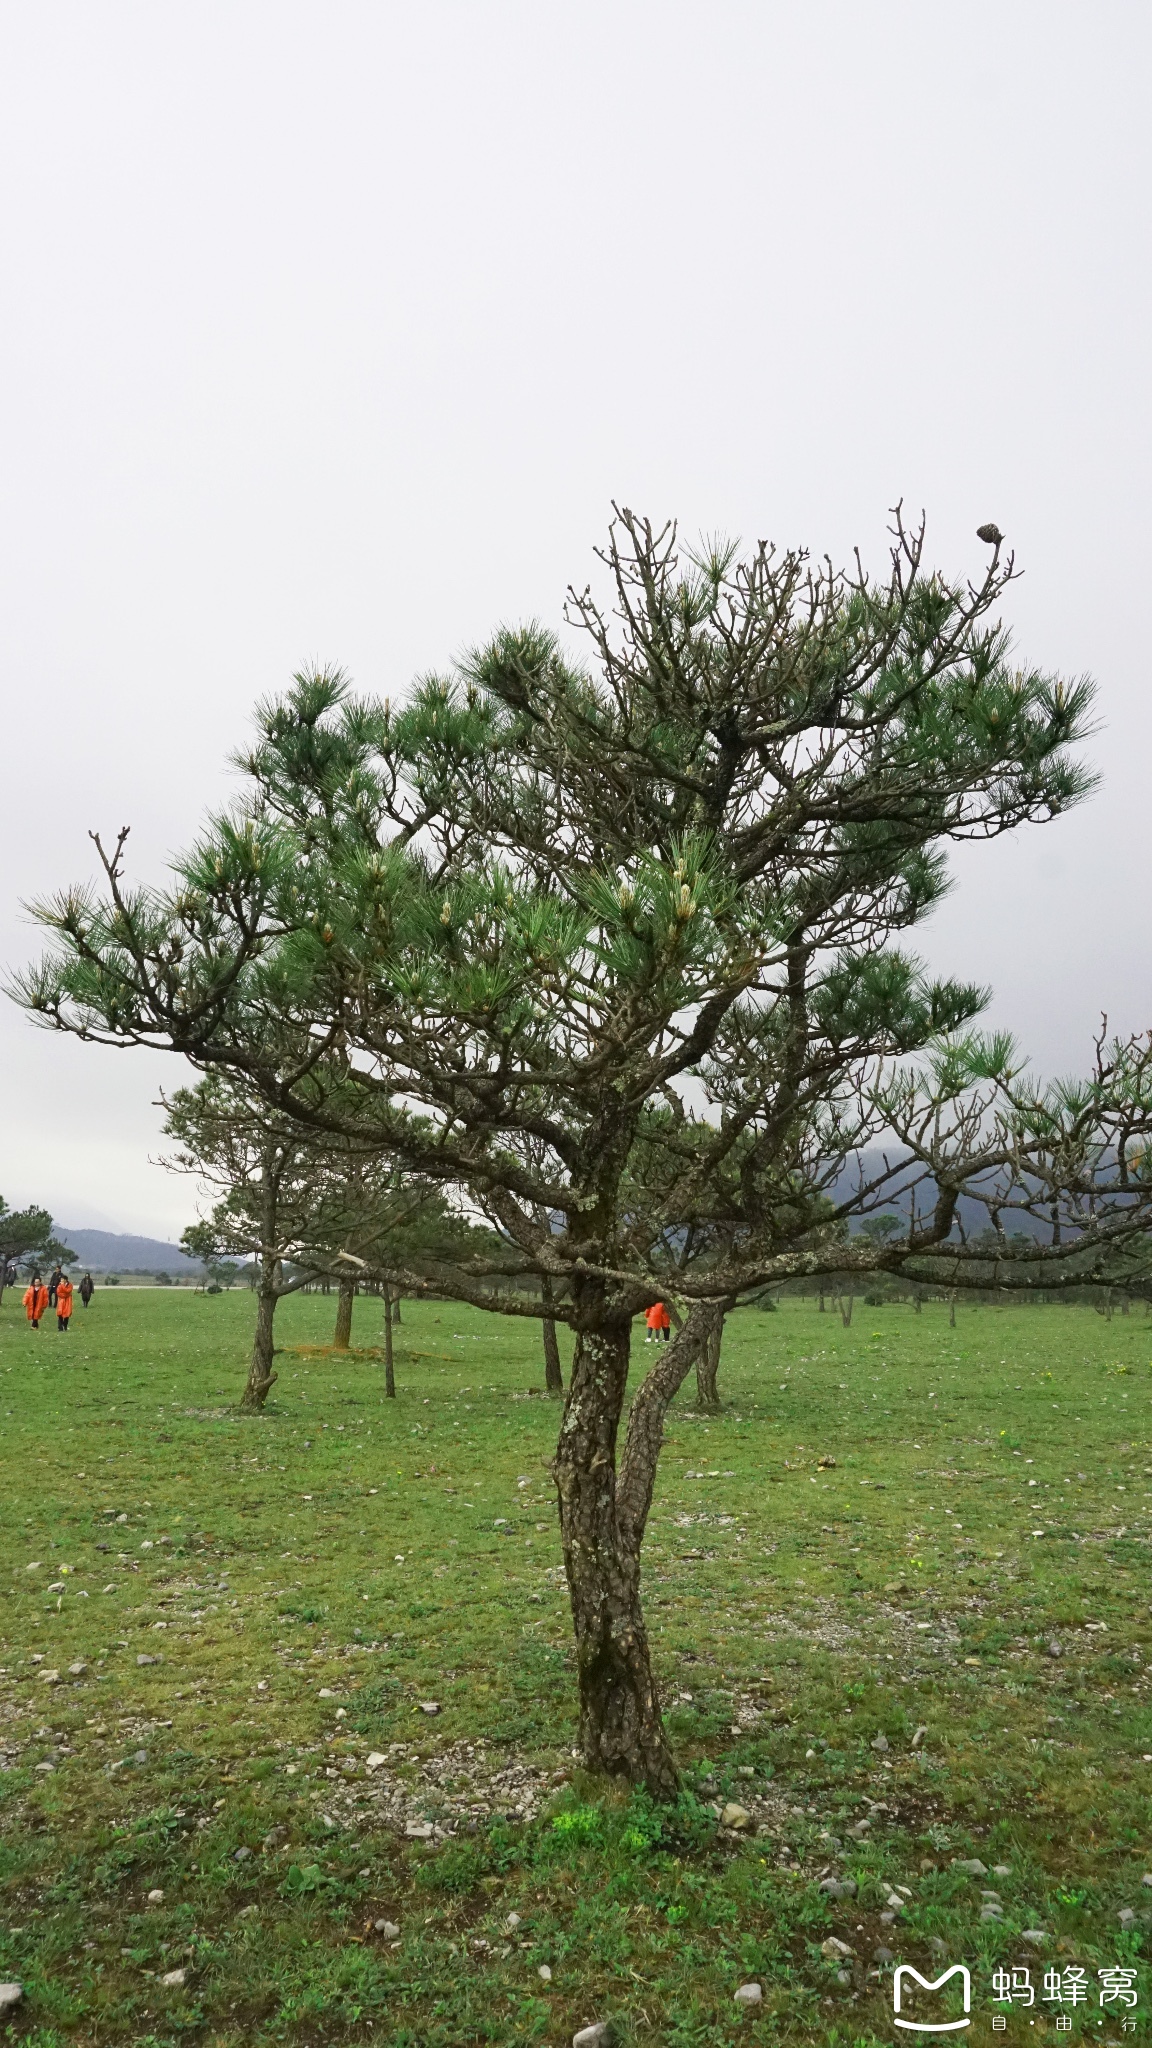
(268, 1173)
(539, 902)
(301, 1208)
(27, 1234)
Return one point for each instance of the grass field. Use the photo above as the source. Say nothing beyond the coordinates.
(212, 1624)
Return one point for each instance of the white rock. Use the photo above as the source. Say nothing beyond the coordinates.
(735, 1816)
(374, 1759)
(387, 1928)
(880, 1742)
(835, 1947)
(326, 1693)
(1035, 1935)
(918, 1737)
(174, 1978)
(1126, 1917)
(1001, 1870)
(512, 1922)
(429, 1706)
(156, 1898)
(545, 1973)
(838, 1888)
(591, 2037)
(10, 1995)
(971, 1865)
(748, 1994)
(49, 1677)
(1147, 1877)
(418, 1830)
(77, 1670)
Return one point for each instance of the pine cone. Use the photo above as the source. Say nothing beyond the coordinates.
(991, 533)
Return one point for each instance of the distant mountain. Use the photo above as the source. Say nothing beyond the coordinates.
(107, 1251)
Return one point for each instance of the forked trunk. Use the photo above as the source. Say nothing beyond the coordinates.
(390, 1309)
(621, 1732)
(260, 1373)
(553, 1377)
(847, 1303)
(343, 1336)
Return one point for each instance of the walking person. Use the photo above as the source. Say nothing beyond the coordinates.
(63, 1303)
(35, 1300)
(659, 1324)
(87, 1289)
(54, 1279)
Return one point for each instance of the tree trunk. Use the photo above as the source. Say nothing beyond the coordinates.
(847, 1303)
(260, 1373)
(553, 1377)
(708, 1363)
(917, 1304)
(952, 1312)
(389, 1373)
(396, 1311)
(343, 1336)
(821, 1301)
(621, 1732)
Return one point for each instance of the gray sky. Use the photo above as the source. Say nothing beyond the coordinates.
(330, 330)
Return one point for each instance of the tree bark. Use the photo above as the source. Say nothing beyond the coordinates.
(343, 1336)
(847, 1303)
(952, 1313)
(389, 1372)
(708, 1363)
(396, 1311)
(553, 1377)
(260, 1373)
(621, 1732)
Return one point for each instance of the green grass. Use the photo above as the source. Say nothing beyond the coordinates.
(990, 1493)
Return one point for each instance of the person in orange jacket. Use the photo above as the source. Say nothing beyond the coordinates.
(659, 1323)
(35, 1300)
(63, 1303)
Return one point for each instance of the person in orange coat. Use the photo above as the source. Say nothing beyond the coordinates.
(659, 1323)
(35, 1300)
(63, 1303)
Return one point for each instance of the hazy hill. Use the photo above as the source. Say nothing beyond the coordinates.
(108, 1251)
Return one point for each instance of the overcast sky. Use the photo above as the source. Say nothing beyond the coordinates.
(330, 330)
